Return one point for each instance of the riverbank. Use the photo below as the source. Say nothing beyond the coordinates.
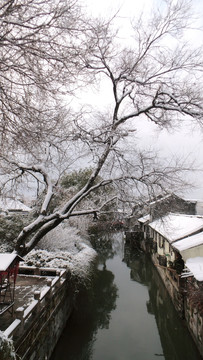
(64, 261)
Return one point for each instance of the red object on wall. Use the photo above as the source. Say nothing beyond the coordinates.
(9, 266)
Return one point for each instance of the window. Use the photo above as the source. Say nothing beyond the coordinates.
(151, 233)
(161, 242)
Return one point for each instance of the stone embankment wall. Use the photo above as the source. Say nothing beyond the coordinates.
(37, 328)
(193, 311)
(172, 285)
(186, 294)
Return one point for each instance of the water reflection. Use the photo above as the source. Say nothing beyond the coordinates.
(92, 312)
(127, 314)
(107, 245)
(175, 338)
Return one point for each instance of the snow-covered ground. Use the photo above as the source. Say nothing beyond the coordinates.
(63, 248)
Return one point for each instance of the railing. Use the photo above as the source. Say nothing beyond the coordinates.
(38, 271)
(40, 299)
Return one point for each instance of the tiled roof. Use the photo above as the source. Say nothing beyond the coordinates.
(189, 242)
(7, 204)
(177, 226)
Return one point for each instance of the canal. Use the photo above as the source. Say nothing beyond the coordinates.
(126, 314)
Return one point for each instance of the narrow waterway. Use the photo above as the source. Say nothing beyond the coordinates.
(127, 314)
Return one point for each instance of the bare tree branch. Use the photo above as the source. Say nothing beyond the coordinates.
(47, 51)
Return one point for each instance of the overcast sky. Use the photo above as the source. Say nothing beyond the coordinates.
(183, 142)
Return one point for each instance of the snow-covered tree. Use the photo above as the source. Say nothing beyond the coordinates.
(47, 50)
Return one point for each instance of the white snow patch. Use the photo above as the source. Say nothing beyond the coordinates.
(177, 226)
(6, 259)
(78, 263)
(195, 265)
(62, 238)
(63, 248)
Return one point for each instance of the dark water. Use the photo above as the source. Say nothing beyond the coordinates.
(127, 315)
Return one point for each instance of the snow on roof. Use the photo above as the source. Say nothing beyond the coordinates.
(6, 260)
(144, 219)
(7, 204)
(189, 242)
(195, 265)
(177, 226)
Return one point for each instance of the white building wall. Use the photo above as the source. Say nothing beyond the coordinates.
(192, 252)
(199, 208)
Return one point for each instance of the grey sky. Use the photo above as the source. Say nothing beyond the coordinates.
(187, 142)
